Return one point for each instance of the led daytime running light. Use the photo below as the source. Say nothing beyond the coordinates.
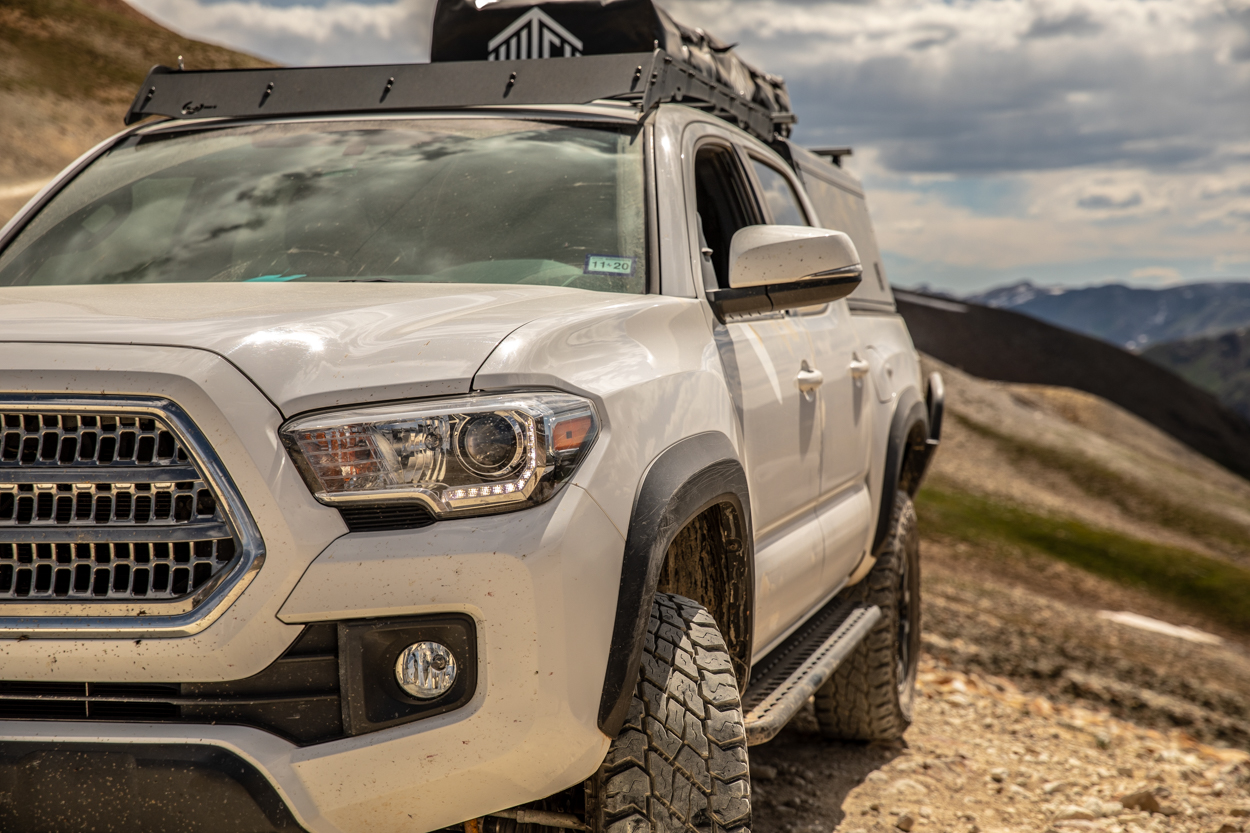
(492, 489)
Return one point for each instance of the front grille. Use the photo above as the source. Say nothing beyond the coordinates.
(101, 504)
(297, 697)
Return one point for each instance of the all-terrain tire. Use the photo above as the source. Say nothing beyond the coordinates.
(870, 695)
(680, 762)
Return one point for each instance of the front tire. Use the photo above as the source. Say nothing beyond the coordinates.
(870, 695)
(680, 762)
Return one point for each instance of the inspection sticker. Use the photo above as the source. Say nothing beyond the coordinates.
(609, 265)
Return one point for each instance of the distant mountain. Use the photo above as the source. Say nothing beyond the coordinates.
(68, 71)
(1009, 347)
(1130, 318)
(1217, 364)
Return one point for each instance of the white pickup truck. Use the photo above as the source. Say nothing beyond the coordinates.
(503, 444)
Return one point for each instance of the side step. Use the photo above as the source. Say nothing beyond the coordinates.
(783, 680)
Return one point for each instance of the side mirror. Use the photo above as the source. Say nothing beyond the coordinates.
(783, 267)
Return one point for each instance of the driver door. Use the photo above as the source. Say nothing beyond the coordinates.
(763, 355)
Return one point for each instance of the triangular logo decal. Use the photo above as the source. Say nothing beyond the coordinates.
(533, 35)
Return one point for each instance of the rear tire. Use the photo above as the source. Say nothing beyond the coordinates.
(870, 695)
(680, 762)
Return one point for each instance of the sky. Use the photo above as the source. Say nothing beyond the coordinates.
(1066, 142)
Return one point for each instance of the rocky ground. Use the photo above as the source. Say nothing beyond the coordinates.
(1033, 713)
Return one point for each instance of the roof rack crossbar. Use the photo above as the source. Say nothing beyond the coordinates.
(647, 78)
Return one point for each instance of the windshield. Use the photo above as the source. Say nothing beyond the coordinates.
(451, 201)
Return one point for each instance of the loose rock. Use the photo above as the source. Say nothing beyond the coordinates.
(763, 772)
(1074, 813)
(1142, 800)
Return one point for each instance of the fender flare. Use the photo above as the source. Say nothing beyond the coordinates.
(909, 411)
(684, 480)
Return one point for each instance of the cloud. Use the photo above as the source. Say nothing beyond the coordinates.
(1075, 24)
(1079, 140)
(306, 32)
(975, 87)
(1104, 201)
(1157, 274)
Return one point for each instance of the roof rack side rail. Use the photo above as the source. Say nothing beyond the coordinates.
(675, 81)
(652, 78)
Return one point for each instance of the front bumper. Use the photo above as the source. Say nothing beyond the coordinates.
(540, 584)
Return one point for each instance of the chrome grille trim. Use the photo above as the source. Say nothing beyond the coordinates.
(116, 519)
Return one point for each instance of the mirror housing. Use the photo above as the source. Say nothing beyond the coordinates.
(772, 268)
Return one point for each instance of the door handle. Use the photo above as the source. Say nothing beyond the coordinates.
(858, 367)
(809, 380)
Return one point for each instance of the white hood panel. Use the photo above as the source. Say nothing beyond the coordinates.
(306, 346)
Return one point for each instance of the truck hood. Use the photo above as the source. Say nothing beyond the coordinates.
(306, 346)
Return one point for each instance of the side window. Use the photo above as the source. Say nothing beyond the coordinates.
(779, 194)
(842, 210)
(724, 205)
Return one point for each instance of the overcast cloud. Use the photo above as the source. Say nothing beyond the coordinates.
(1068, 142)
(305, 31)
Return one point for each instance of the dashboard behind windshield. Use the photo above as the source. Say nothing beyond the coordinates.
(449, 201)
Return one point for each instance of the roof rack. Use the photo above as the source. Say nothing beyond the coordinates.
(644, 78)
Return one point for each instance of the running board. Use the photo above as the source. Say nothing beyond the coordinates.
(782, 681)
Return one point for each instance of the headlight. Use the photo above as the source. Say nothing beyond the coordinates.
(465, 456)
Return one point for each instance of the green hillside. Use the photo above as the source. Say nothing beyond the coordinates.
(1219, 364)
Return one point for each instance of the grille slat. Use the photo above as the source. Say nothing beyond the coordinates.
(130, 533)
(106, 474)
(104, 505)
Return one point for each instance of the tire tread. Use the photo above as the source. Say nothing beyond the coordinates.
(680, 762)
(861, 700)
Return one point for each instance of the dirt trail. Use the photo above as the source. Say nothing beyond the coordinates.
(1033, 713)
(982, 756)
(1092, 711)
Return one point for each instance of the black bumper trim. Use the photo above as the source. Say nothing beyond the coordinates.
(128, 788)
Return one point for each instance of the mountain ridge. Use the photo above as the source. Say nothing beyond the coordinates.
(1219, 364)
(1129, 317)
(1010, 346)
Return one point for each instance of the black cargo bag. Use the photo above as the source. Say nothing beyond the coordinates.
(506, 30)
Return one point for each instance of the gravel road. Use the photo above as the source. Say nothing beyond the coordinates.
(1034, 714)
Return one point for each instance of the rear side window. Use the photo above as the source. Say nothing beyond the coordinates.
(779, 196)
(845, 211)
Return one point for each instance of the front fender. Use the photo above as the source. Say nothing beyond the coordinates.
(680, 484)
(909, 414)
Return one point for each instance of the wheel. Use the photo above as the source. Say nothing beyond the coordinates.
(680, 762)
(870, 695)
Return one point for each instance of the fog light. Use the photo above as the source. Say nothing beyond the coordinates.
(426, 670)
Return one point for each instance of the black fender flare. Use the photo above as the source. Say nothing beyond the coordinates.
(682, 481)
(935, 400)
(911, 409)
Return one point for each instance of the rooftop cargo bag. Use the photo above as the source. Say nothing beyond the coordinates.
(517, 29)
